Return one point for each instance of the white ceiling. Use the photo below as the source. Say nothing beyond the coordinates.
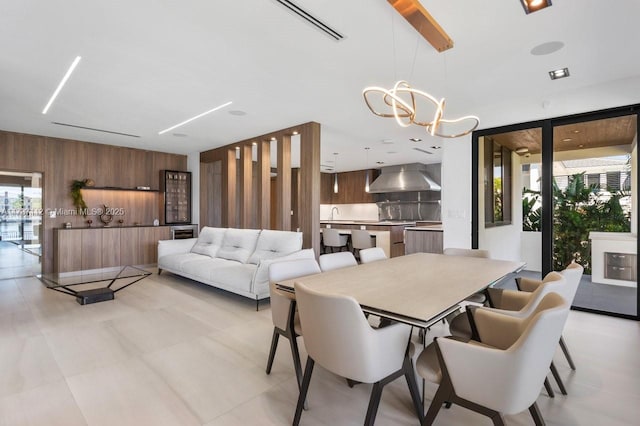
(149, 64)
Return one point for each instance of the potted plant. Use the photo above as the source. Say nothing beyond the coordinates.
(76, 194)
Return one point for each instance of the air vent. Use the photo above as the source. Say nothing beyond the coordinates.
(311, 19)
(95, 130)
(423, 150)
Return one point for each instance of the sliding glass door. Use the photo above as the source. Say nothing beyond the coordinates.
(569, 193)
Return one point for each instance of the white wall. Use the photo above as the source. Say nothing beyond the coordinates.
(456, 192)
(193, 166)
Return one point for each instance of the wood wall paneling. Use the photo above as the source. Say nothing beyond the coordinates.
(309, 191)
(246, 190)
(264, 184)
(229, 189)
(283, 184)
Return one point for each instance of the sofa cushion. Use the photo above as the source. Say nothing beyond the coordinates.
(202, 266)
(174, 262)
(209, 241)
(272, 244)
(235, 275)
(238, 244)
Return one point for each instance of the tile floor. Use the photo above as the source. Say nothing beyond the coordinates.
(15, 262)
(169, 351)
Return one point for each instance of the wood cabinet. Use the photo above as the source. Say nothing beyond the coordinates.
(96, 248)
(351, 187)
(421, 241)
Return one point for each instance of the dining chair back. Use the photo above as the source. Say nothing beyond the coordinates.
(332, 238)
(331, 261)
(372, 255)
(504, 374)
(283, 308)
(339, 338)
(361, 239)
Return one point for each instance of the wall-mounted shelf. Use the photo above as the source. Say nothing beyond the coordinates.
(115, 188)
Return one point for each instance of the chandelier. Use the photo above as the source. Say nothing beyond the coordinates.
(402, 105)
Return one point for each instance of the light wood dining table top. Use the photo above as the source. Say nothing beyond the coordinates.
(417, 289)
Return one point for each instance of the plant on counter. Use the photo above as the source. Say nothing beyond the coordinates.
(76, 194)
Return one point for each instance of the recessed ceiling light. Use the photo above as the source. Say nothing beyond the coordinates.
(531, 6)
(295, 132)
(567, 140)
(559, 73)
(237, 112)
(436, 147)
(415, 139)
(547, 48)
(522, 150)
(237, 148)
(196, 117)
(273, 138)
(73, 66)
(254, 143)
(576, 131)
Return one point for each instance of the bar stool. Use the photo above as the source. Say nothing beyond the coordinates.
(332, 239)
(360, 239)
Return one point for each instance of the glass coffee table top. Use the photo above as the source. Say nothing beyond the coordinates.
(64, 282)
(54, 279)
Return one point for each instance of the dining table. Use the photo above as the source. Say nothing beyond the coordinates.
(417, 289)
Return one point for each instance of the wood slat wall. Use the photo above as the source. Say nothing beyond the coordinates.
(272, 199)
(61, 161)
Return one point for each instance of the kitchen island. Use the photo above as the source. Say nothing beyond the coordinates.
(426, 238)
(391, 233)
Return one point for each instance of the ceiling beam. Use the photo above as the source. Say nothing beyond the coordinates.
(423, 22)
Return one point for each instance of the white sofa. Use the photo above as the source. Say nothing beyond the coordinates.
(236, 260)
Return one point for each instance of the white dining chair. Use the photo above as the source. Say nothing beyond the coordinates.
(331, 261)
(479, 298)
(286, 322)
(332, 239)
(360, 239)
(520, 304)
(373, 254)
(338, 337)
(504, 371)
(573, 274)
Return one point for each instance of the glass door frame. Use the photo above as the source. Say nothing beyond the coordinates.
(547, 126)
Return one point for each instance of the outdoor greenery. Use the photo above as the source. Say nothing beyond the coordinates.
(578, 209)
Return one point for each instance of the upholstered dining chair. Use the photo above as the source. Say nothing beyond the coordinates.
(573, 274)
(331, 261)
(504, 371)
(360, 239)
(286, 322)
(479, 298)
(372, 255)
(332, 239)
(356, 352)
(521, 304)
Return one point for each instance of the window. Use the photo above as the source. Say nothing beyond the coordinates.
(497, 183)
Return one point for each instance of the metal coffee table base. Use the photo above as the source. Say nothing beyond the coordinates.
(94, 295)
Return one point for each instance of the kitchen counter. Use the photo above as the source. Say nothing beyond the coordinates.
(395, 230)
(436, 228)
(369, 222)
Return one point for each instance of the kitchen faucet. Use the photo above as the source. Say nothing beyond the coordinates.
(331, 215)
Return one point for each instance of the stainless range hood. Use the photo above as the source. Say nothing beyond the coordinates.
(403, 178)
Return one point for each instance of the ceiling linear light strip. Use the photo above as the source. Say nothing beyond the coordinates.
(94, 130)
(423, 22)
(311, 19)
(404, 110)
(195, 118)
(73, 66)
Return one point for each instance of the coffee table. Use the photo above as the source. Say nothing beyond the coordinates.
(63, 283)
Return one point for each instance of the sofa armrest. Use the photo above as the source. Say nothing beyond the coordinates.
(262, 272)
(168, 247)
